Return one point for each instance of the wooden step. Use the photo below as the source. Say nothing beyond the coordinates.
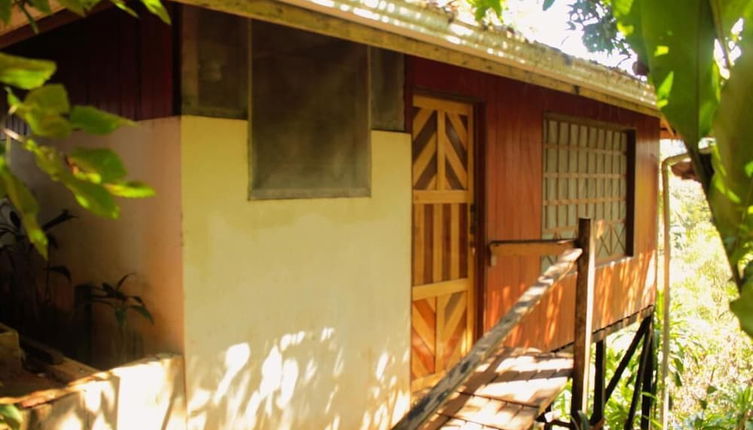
(508, 392)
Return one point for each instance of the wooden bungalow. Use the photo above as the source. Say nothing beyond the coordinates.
(350, 194)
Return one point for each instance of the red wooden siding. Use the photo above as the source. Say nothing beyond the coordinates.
(510, 123)
(112, 61)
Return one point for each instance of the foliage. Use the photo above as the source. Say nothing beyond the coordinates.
(93, 176)
(115, 298)
(25, 277)
(713, 365)
(121, 304)
(10, 417)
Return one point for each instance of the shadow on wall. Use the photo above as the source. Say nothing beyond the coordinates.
(272, 389)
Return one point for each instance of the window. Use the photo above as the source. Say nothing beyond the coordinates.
(309, 115)
(587, 173)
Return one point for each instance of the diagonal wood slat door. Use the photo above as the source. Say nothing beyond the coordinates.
(442, 318)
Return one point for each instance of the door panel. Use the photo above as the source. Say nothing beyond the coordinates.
(443, 283)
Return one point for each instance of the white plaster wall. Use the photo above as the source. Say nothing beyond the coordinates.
(297, 312)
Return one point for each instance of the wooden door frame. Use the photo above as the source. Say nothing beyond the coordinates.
(479, 190)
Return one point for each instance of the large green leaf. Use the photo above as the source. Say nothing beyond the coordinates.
(43, 110)
(52, 98)
(41, 5)
(156, 7)
(24, 73)
(11, 416)
(121, 4)
(75, 6)
(731, 194)
(26, 205)
(131, 189)
(95, 121)
(5, 9)
(676, 37)
(628, 15)
(742, 307)
(91, 196)
(679, 41)
(102, 163)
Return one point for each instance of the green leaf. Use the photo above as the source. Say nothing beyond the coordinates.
(120, 316)
(548, 4)
(731, 194)
(75, 6)
(24, 73)
(101, 164)
(131, 189)
(95, 121)
(41, 5)
(156, 7)
(742, 307)
(628, 15)
(676, 39)
(144, 312)
(731, 11)
(5, 9)
(92, 197)
(26, 205)
(120, 4)
(42, 109)
(52, 98)
(10, 415)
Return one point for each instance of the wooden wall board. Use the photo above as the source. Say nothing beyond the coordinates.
(511, 135)
(112, 61)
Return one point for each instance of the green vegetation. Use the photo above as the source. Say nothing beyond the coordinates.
(711, 360)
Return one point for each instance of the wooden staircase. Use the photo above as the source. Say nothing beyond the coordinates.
(496, 387)
(509, 392)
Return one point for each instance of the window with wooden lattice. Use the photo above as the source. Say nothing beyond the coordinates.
(587, 173)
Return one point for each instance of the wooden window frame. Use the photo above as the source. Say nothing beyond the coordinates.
(630, 175)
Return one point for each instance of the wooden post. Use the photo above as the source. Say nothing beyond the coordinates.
(600, 383)
(584, 301)
(639, 378)
(649, 387)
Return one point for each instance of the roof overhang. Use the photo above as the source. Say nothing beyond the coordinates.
(412, 27)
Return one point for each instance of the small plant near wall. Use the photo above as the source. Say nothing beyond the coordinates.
(28, 281)
(121, 304)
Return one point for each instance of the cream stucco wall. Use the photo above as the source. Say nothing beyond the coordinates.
(296, 311)
(144, 241)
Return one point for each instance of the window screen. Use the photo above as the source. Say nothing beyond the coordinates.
(586, 174)
(309, 115)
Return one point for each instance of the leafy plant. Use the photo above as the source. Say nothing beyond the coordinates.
(121, 304)
(10, 417)
(26, 279)
(115, 298)
(93, 176)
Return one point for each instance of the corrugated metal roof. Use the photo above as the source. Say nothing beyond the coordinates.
(443, 27)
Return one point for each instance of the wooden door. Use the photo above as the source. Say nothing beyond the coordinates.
(442, 319)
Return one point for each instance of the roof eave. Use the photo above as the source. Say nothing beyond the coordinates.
(412, 27)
